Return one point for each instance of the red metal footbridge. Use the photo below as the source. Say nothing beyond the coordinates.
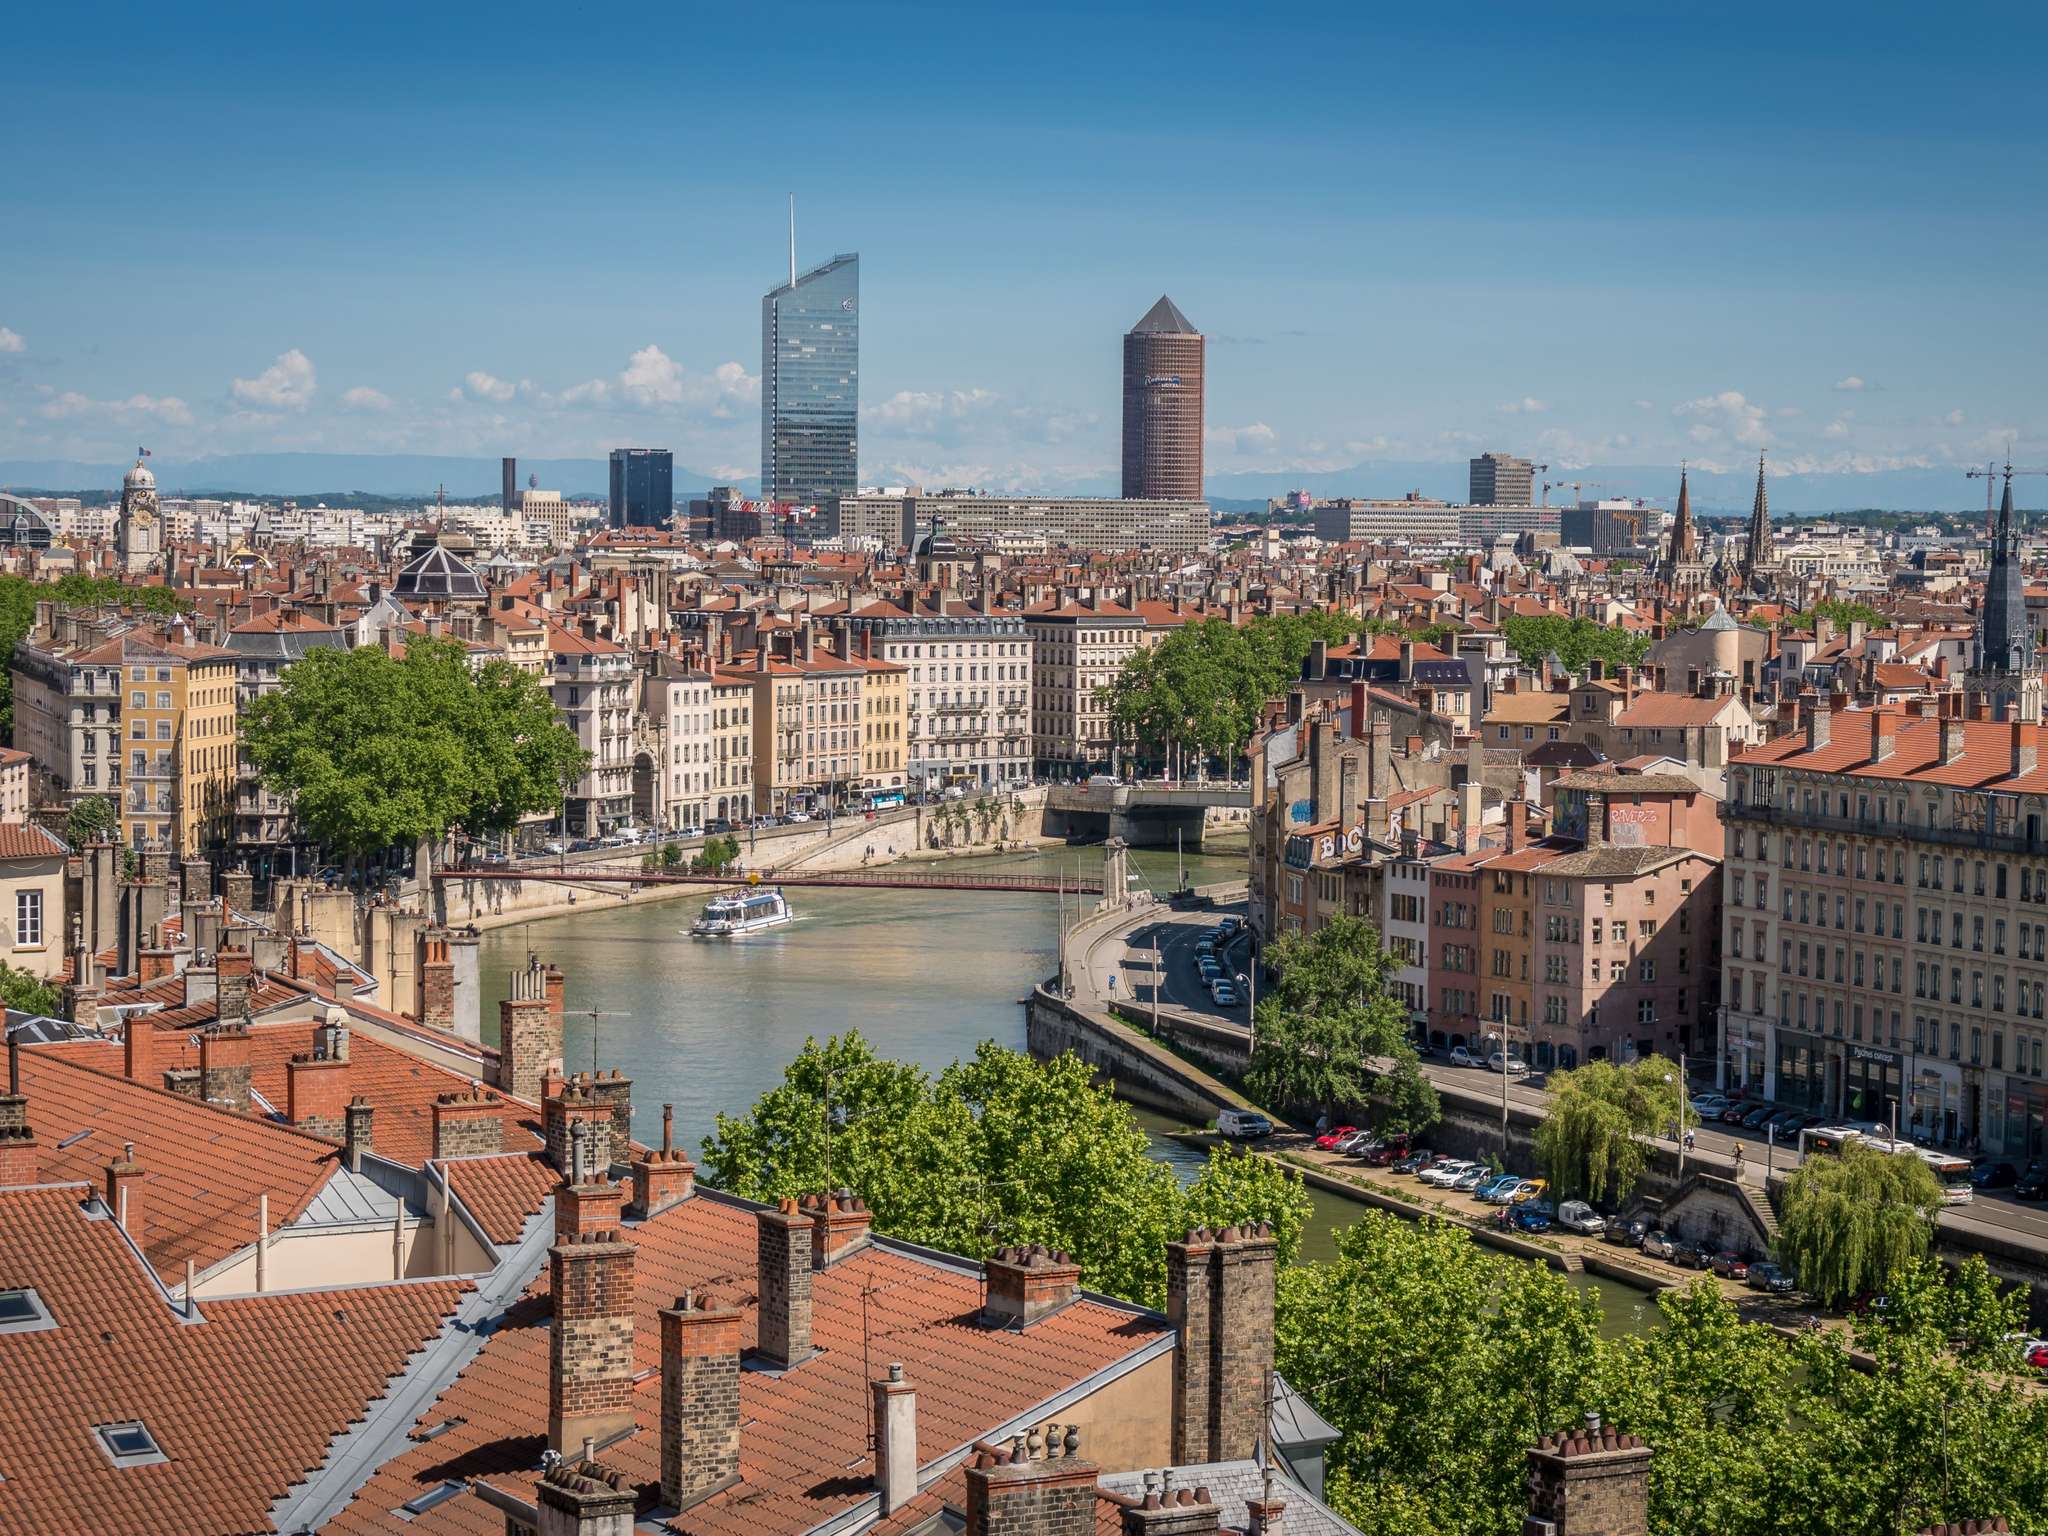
(883, 878)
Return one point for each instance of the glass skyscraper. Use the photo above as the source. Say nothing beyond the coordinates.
(810, 385)
(643, 487)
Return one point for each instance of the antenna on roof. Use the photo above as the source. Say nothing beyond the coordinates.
(792, 239)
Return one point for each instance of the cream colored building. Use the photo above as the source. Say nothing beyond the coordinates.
(1077, 649)
(32, 935)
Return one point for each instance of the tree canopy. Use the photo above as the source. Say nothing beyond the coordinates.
(1331, 1032)
(1591, 1144)
(1855, 1222)
(1200, 690)
(995, 1150)
(1575, 641)
(22, 991)
(376, 751)
(91, 818)
(1442, 1361)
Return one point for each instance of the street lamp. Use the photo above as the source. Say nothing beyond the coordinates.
(1250, 983)
(1679, 1122)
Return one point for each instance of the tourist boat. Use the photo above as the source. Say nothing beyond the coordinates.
(742, 912)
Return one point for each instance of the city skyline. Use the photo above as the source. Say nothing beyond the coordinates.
(1732, 272)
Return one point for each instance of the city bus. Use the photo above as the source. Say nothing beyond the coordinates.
(1953, 1174)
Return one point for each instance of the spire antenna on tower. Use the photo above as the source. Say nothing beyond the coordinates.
(792, 239)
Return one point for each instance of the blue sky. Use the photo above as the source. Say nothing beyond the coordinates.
(1594, 234)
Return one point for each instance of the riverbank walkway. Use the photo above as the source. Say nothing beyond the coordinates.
(891, 877)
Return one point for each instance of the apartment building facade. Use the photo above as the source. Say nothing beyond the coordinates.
(967, 699)
(592, 681)
(1886, 925)
(1078, 646)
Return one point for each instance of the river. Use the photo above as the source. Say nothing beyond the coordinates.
(925, 976)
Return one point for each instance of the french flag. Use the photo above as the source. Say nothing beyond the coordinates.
(142, 453)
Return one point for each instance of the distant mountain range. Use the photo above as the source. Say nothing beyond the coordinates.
(476, 479)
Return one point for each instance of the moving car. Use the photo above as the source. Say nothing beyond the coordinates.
(1245, 1123)
(1327, 1142)
(1577, 1216)
(1515, 1065)
(1768, 1277)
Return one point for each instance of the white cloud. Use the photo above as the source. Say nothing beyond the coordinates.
(165, 408)
(1849, 385)
(484, 386)
(1528, 405)
(1954, 418)
(1646, 405)
(288, 383)
(364, 398)
(590, 392)
(1837, 429)
(652, 380)
(921, 409)
(10, 341)
(1728, 415)
(652, 377)
(1234, 439)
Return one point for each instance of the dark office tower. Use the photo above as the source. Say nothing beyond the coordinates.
(1163, 407)
(643, 487)
(1502, 480)
(509, 497)
(810, 384)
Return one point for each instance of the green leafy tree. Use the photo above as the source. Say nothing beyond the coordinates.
(1238, 1185)
(21, 991)
(1441, 1363)
(1839, 612)
(1575, 641)
(671, 855)
(1331, 1031)
(997, 1149)
(1855, 1222)
(91, 819)
(376, 751)
(1593, 1141)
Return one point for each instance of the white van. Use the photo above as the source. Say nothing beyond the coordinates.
(1242, 1123)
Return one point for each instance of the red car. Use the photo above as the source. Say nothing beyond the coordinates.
(1730, 1265)
(1387, 1153)
(2037, 1357)
(1331, 1137)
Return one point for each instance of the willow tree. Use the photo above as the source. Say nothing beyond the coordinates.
(1855, 1223)
(1594, 1142)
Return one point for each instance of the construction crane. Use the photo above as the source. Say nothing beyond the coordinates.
(1543, 469)
(1991, 474)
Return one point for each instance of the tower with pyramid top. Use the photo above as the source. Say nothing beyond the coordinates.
(1163, 357)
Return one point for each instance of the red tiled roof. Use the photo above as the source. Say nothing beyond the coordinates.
(970, 1380)
(1986, 758)
(501, 1192)
(26, 840)
(203, 1167)
(243, 1404)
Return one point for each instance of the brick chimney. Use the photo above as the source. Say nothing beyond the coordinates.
(437, 982)
(1589, 1481)
(663, 1177)
(839, 1225)
(1884, 735)
(1163, 1510)
(895, 1420)
(590, 1277)
(1025, 1284)
(124, 1191)
(138, 1048)
(316, 1093)
(580, 1496)
(1219, 1296)
(1951, 738)
(470, 1124)
(700, 1400)
(529, 1034)
(357, 1131)
(1819, 720)
(783, 1326)
(2026, 752)
(576, 1105)
(20, 1161)
(156, 962)
(1263, 1514)
(1037, 1485)
(224, 1065)
(234, 974)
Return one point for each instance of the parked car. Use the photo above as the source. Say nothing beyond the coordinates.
(1785, 1123)
(1209, 970)
(2033, 1184)
(1708, 1105)
(1625, 1234)
(1532, 1189)
(1227, 927)
(1443, 1173)
(2037, 1354)
(1222, 992)
(1755, 1119)
(1244, 1123)
(1415, 1161)
(1460, 1057)
(1205, 946)
(1385, 1155)
(1515, 1065)
(1533, 1217)
(1694, 1256)
(554, 845)
(1729, 1265)
(1768, 1277)
(1327, 1142)
(1577, 1216)
(1994, 1176)
(1738, 1111)
(1470, 1180)
(1659, 1244)
(1493, 1190)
